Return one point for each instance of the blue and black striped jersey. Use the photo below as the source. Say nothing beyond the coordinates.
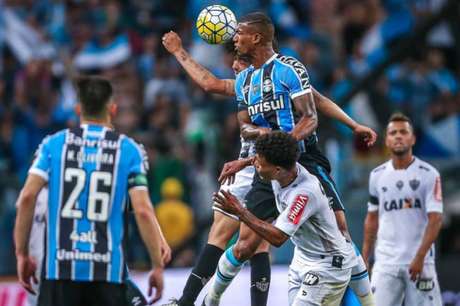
(89, 171)
(267, 94)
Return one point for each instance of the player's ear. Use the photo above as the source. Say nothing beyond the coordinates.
(113, 109)
(257, 38)
(77, 109)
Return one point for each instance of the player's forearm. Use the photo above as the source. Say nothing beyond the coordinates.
(370, 234)
(24, 220)
(150, 234)
(249, 131)
(200, 75)
(305, 127)
(431, 233)
(264, 229)
(332, 110)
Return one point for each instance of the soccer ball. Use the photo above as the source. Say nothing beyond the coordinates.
(216, 24)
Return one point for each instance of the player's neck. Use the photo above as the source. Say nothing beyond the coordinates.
(94, 121)
(261, 55)
(402, 162)
(287, 177)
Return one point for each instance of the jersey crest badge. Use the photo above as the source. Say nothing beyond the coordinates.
(414, 184)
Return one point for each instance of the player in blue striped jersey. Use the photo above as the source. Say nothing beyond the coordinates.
(91, 170)
(223, 226)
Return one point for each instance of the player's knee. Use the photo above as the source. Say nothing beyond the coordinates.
(263, 247)
(244, 250)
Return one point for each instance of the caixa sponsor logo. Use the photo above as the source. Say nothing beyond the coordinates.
(266, 106)
(310, 279)
(397, 204)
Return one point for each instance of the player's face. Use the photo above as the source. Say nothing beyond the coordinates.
(399, 137)
(239, 65)
(265, 170)
(243, 39)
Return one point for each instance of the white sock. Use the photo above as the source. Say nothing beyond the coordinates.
(360, 285)
(227, 269)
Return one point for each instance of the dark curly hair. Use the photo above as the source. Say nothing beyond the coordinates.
(278, 148)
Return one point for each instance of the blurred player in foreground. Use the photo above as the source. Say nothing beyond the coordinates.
(90, 171)
(134, 296)
(224, 225)
(323, 258)
(404, 216)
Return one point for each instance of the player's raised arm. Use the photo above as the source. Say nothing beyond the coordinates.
(203, 77)
(327, 107)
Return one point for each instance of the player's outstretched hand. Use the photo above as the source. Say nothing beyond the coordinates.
(26, 267)
(416, 267)
(172, 42)
(227, 175)
(227, 202)
(368, 134)
(156, 281)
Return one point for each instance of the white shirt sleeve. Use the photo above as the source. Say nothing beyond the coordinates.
(433, 193)
(301, 205)
(373, 203)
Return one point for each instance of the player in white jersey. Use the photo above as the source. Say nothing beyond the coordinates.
(321, 267)
(404, 216)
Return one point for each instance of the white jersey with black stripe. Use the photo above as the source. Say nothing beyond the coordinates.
(403, 198)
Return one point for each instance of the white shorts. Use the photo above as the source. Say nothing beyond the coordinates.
(241, 186)
(317, 286)
(392, 285)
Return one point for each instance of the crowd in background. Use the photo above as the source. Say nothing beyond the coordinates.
(189, 134)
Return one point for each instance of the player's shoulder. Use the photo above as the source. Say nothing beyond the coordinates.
(129, 144)
(289, 61)
(55, 138)
(381, 168)
(378, 171)
(424, 167)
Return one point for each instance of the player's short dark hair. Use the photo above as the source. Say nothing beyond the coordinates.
(261, 23)
(400, 117)
(93, 93)
(278, 148)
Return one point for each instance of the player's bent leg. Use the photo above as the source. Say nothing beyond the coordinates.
(322, 287)
(425, 291)
(230, 263)
(222, 230)
(260, 275)
(387, 286)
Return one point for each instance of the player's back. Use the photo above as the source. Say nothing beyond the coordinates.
(89, 170)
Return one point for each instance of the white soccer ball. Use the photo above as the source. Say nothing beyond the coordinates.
(216, 24)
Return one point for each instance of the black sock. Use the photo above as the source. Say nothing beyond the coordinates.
(204, 269)
(260, 279)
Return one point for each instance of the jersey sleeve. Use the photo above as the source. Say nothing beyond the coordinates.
(138, 168)
(433, 193)
(42, 160)
(239, 90)
(297, 80)
(373, 203)
(301, 206)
